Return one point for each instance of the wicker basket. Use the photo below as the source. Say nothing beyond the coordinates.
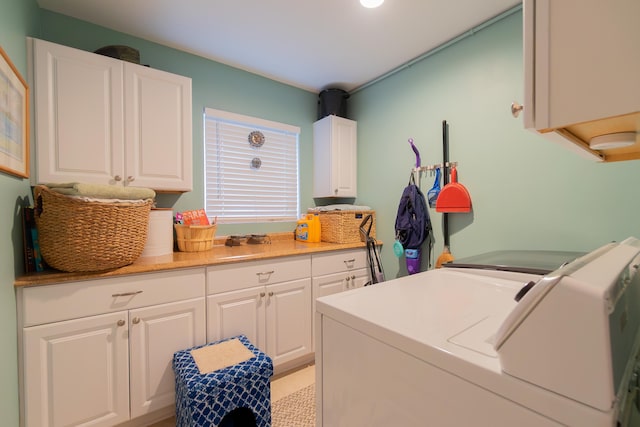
(343, 226)
(195, 238)
(76, 235)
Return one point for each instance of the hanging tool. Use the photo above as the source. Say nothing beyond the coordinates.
(446, 255)
(373, 256)
(432, 194)
(454, 197)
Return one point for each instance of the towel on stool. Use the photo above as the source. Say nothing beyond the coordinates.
(221, 355)
(103, 191)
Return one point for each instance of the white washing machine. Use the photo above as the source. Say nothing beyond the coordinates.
(470, 347)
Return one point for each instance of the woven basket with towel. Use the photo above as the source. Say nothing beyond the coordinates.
(86, 227)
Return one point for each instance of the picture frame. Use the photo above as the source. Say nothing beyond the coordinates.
(14, 119)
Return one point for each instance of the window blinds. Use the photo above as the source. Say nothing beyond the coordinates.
(249, 181)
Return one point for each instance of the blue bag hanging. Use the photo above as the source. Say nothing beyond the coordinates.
(413, 225)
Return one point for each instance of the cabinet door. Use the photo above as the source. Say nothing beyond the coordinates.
(579, 84)
(580, 75)
(335, 157)
(237, 312)
(358, 278)
(79, 131)
(77, 372)
(156, 333)
(158, 129)
(328, 284)
(288, 320)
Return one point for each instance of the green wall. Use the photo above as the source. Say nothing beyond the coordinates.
(18, 18)
(527, 192)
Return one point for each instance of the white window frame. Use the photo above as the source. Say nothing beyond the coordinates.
(244, 208)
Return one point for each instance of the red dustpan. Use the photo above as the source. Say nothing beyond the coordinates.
(454, 197)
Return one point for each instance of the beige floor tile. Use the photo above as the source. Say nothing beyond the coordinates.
(292, 382)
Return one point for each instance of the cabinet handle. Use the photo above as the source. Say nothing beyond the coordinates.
(262, 294)
(117, 178)
(126, 294)
(120, 322)
(136, 320)
(130, 178)
(516, 109)
(348, 278)
(349, 262)
(353, 278)
(265, 273)
(270, 293)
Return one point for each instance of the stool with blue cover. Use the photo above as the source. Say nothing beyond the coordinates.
(204, 399)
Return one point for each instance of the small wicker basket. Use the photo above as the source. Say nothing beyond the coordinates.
(195, 238)
(343, 226)
(77, 235)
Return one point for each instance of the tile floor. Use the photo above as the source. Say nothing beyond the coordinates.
(281, 386)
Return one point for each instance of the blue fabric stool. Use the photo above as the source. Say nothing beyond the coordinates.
(205, 399)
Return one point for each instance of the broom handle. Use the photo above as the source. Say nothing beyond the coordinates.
(445, 160)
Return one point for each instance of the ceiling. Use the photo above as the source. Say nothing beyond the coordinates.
(308, 44)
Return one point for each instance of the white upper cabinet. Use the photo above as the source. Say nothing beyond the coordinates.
(335, 163)
(105, 121)
(582, 72)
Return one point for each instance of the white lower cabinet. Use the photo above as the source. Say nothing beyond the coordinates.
(268, 301)
(156, 333)
(113, 365)
(77, 372)
(99, 352)
(335, 272)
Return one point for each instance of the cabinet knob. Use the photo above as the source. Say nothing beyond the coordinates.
(348, 278)
(130, 178)
(353, 277)
(120, 322)
(262, 294)
(117, 178)
(270, 293)
(136, 320)
(516, 109)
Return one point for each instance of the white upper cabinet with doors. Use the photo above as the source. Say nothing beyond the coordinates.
(335, 163)
(105, 121)
(582, 72)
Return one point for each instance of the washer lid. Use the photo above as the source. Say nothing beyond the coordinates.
(519, 261)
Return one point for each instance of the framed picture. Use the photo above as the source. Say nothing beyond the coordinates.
(14, 119)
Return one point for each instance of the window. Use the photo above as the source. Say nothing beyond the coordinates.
(251, 168)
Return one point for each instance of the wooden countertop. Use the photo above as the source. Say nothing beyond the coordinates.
(281, 245)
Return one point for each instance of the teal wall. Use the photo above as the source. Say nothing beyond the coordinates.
(527, 192)
(17, 19)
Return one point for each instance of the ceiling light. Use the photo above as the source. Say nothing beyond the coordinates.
(612, 140)
(371, 3)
